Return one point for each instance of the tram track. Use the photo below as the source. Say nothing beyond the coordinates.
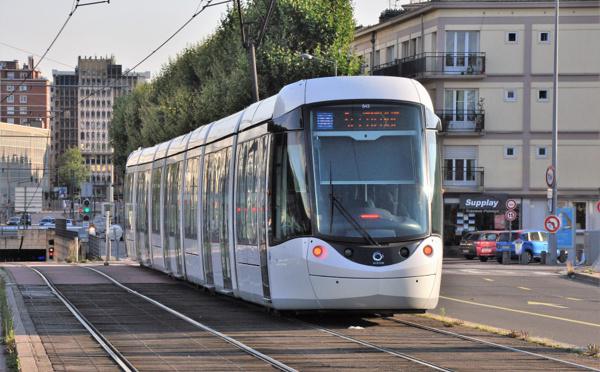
(346, 341)
(488, 343)
(120, 357)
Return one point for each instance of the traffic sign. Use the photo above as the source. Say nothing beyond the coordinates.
(552, 224)
(511, 204)
(550, 176)
(510, 215)
(598, 207)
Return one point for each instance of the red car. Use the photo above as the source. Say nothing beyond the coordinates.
(480, 244)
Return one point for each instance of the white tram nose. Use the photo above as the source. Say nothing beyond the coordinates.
(338, 282)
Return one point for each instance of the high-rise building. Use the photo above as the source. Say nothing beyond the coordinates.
(83, 101)
(24, 94)
(488, 66)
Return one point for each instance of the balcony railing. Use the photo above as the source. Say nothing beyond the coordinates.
(463, 177)
(461, 121)
(431, 65)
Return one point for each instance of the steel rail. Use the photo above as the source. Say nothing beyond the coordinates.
(121, 361)
(255, 353)
(373, 346)
(489, 343)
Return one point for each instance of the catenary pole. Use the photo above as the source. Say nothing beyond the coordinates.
(553, 243)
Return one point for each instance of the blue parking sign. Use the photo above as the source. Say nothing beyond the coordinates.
(566, 234)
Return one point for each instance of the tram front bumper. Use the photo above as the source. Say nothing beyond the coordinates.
(412, 293)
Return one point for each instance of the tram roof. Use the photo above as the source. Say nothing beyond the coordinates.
(292, 96)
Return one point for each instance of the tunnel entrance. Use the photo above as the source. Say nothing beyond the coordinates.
(12, 255)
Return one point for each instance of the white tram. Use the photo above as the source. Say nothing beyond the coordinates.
(325, 196)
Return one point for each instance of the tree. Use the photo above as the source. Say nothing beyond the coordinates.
(211, 80)
(71, 169)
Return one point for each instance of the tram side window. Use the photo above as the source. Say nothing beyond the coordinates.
(172, 202)
(142, 207)
(289, 206)
(156, 176)
(128, 200)
(246, 194)
(190, 199)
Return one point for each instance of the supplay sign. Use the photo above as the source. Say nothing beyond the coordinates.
(480, 203)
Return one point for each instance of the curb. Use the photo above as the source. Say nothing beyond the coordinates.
(585, 278)
(30, 349)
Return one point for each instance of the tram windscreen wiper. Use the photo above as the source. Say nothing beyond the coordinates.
(344, 212)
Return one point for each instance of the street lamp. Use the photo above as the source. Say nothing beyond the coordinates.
(308, 57)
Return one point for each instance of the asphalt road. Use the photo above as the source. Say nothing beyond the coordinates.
(532, 298)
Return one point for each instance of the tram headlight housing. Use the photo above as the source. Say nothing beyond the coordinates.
(428, 250)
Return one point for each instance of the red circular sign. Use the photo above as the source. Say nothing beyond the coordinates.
(552, 224)
(598, 206)
(511, 204)
(510, 215)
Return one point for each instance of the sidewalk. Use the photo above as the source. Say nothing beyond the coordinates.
(588, 275)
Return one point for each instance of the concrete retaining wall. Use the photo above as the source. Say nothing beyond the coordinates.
(32, 239)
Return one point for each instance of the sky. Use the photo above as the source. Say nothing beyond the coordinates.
(127, 29)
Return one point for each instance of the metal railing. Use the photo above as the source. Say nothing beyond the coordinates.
(462, 120)
(463, 177)
(431, 65)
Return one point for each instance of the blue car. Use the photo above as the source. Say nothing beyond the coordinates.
(534, 242)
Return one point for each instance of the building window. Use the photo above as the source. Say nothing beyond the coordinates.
(23, 88)
(543, 95)
(510, 95)
(510, 152)
(544, 37)
(23, 99)
(580, 215)
(10, 88)
(10, 120)
(23, 110)
(541, 152)
(10, 110)
(10, 75)
(511, 37)
(10, 99)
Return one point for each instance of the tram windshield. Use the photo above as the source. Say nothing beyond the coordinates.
(369, 172)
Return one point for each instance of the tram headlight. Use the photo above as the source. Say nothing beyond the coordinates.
(428, 250)
(319, 251)
(348, 252)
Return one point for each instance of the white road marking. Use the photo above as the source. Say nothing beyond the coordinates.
(525, 288)
(546, 304)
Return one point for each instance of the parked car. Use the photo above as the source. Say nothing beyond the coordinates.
(485, 246)
(22, 219)
(46, 221)
(480, 244)
(467, 245)
(13, 221)
(532, 242)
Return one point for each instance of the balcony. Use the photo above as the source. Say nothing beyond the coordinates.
(462, 121)
(463, 179)
(435, 66)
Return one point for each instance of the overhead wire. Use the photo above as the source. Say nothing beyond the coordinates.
(199, 10)
(73, 10)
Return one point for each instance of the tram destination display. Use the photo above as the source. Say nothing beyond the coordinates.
(365, 117)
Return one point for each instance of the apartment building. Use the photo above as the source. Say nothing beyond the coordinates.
(24, 94)
(83, 100)
(488, 67)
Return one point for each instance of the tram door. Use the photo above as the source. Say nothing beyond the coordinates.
(217, 265)
(193, 260)
(129, 216)
(172, 243)
(141, 224)
(158, 260)
(250, 195)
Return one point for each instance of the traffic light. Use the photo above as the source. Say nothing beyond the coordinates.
(86, 210)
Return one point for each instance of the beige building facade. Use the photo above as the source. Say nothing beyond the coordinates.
(488, 68)
(24, 154)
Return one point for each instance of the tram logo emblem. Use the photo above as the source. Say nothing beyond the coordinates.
(377, 257)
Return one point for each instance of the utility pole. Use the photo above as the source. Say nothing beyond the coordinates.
(553, 243)
(251, 44)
